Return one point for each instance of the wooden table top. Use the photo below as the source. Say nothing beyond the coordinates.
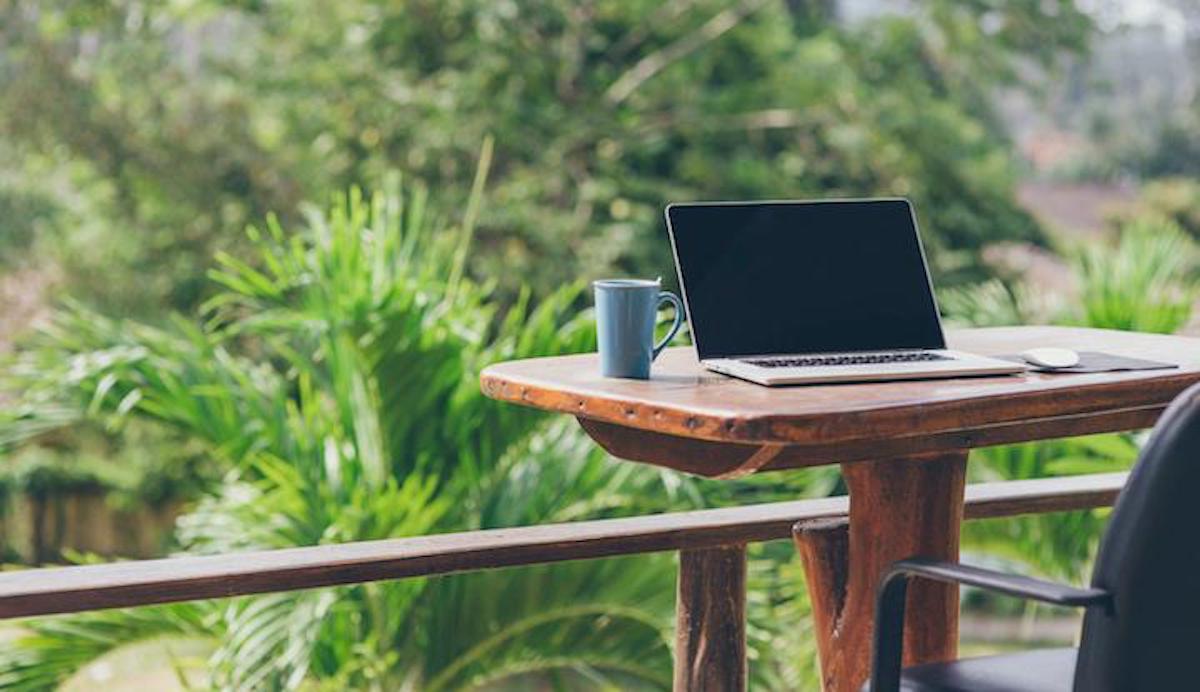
(683, 399)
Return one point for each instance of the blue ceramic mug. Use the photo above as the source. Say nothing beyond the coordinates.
(625, 317)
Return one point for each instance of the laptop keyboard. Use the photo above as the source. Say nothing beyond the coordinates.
(848, 359)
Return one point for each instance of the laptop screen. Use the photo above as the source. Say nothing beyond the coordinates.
(764, 278)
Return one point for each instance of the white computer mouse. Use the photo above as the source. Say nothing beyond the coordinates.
(1050, 357)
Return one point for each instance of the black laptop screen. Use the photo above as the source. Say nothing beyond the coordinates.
(781, 278)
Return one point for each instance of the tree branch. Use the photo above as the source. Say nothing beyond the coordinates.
(655, 62)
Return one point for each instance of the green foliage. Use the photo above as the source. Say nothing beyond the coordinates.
(1173, 199)
(1146, 283)
(163, 125)
(1059, 546)
(994, 303)
(335, 377)
(51, 648)
(140, 466)
(26, 215)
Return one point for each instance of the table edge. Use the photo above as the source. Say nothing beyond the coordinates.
(886, 422)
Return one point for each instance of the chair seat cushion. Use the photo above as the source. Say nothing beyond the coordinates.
(1042, 670)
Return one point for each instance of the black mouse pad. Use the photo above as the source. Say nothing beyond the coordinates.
(1094, 361)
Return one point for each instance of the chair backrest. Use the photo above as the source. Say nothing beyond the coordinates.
(1150, 561)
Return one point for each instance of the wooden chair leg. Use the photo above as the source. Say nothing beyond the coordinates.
(710, 616)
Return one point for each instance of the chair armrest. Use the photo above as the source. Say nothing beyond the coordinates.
(1010, 584)
(888, 647)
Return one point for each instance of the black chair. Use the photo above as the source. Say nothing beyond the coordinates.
(1141, 628)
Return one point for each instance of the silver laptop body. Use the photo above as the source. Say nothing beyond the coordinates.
(797, 292)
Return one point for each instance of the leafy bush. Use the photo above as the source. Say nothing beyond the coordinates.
(1145, 283)
(26, 215)
(1173, 199)
(336, 375)
(1145, 280)
(996, 303)
(140, 466)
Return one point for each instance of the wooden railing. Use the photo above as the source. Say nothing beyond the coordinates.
(710, 646)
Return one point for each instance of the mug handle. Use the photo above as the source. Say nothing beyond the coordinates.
(668, 297)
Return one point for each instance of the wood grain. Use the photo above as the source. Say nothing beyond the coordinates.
(824, 547)
(684, 400)
(726, 459)
(92, 587)
(898, 508)
(710, 620)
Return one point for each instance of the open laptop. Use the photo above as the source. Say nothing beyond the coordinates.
(827, 291)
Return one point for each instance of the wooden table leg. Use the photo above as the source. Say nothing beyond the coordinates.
(898, 508)
(710, 620)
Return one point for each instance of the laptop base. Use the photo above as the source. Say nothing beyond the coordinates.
(955, 364)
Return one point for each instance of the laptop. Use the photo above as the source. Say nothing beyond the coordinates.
(804, 292)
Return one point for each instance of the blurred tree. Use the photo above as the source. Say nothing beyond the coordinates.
(161, 126)
(1174, 149)
(1171, 199)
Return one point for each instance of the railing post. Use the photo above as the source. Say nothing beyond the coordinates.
(710, 620)
(824, 546)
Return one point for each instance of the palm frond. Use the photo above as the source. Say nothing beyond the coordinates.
(52, 649)
(1146, 282)
(336, 373)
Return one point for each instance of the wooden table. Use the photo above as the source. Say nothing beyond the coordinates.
(902, 447)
